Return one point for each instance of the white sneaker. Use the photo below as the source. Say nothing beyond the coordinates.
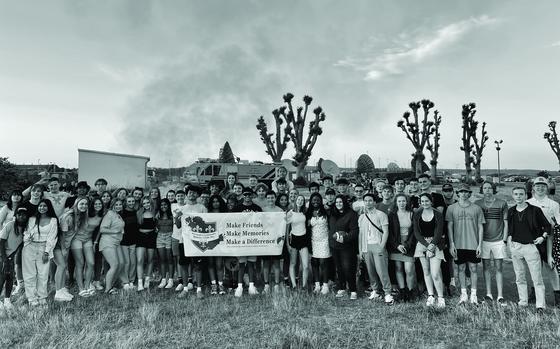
(266, 289)
(325, 289)
(253, 290)
(474, 299)
(389, 300)
(147, 281)
(169, 283)
(452, 282)
(183, 293)
(190, 286)
(340, 293)
(8, 306)
(353, 295)
(162, 283)
(277, 288)
(91, 289)
(440, 302)
(431, 301)
(239, 291)
(98, 286)
(179, 288)
(317, 288)
(374, 296)
(66, 292)
(464, 298)
(61, 296)
(140, 286)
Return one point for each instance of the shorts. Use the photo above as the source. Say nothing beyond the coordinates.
(466, 256)
(299, 242)
(80, 245)
(420, 251)
(245, 259)
(495, 249)
(163, 240)
(175, 247)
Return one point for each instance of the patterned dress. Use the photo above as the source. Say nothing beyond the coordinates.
(320, 237)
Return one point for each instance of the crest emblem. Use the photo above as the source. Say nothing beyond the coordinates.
(203, 234)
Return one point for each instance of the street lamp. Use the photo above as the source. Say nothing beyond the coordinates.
(498, 148)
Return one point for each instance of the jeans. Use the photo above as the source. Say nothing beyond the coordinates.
(530, 254)
(346, 262)
(35, 272)
(7, 275)
(377, 262)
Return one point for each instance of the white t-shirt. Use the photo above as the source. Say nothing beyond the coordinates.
(358, 206)
(58, 201)
(371, 234)
(297, 220)
(549, 207)
(175, 209)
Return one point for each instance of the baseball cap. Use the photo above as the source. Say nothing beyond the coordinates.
(330, 191)
(447, 187)
(342, 181)
(21, 210)
(248, 190)
(540, 180)
(464, 187)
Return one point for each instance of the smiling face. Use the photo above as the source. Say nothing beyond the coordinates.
(36, 192)
(146, 204)
(369, 203)
(180, 198)
(204, 198)
(54, 187)
(283, 201)
(192, 196)
(261, 193)
(282, 172)
(137, 194)
(540, 189)
(130, 203)
(215, 204)
(339, 204)
(106, 198)
(42, 208)
(252, 182)
(164, 206)
(316, 202)
(231, 204)
(97, 205)
(424, 183)
(359, 191)
(154, 193)
(121, 195)
(401, 202)
(82, 205)
(425, 202)
(399, 185)
(170, 196)
(214, 189)
(293, 195)
(413, 186)
(387, 194)
(271, 200)
(16, 198)
(231, 179)
(300, 202)
(238, 189)
(118, 206)
(379, 186)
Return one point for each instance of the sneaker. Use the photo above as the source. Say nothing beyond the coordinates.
(374, 296)
(253, 290)
(199, 294)
(353, 295)
(33, 303)
(221, 289)
(325, 289)
(169, 283)
(84, 293)
(61, 296)
(19, 287)
(389, 300)
(501, 301)
(42, 302)
(474, 299)
(183, 294)
(91, 290)
(464, 298)
(276, 288)
(8, 306)
(162, 283)
(179, 288)
(140, 286)
(430, 301)
(317, 288)
(147, 281)
(190, 286)
(522, 304)
(266, 289)
(440, 302)
(340, 293)
(66, 292)
(214, 289)
(239, 291)
(98, 286)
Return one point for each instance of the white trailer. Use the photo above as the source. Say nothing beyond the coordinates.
(120, 170)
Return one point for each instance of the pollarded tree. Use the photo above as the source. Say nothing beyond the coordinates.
(275, 143)
(418, 129)
(473, 146)
(552, 139)
(303, 141)
(433, 147)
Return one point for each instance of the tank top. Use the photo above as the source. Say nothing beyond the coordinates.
(427, 229)
(165, 225)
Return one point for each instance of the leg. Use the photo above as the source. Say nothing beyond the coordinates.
(427, 275)
(519, 269)
(97, 264)
(473, 268)
(163, 262)
(462, 277)
(19, 269)
(132, 265)
(350, 262)
(304, 254)
(533, 260)
(43, 269)
(266, 270)
(499, 277)
(29, 272)
(293, 260)
(79, 262)
(372, 273)
(150, 261)
(60, 261)
(338, 262)
(140, 255)
(276, 270)
(486, 263)
(410, 272)
(121, 260)
(125, 265)
(315, 269)
(435, 270)
(90, 260)
(219, 265)
(112, 258)
(399, 274)
(382, 269)
(251, 271)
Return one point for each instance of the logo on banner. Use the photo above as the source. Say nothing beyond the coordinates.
(203, 234)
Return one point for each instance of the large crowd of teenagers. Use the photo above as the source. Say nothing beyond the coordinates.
(400, 241)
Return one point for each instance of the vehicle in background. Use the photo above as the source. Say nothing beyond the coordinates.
(205, 170)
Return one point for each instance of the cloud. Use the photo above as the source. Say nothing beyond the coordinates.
(409, 49)
(555, 44)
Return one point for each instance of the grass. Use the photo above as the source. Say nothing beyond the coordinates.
(292, 320)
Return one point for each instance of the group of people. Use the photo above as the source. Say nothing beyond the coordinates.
(404, 239)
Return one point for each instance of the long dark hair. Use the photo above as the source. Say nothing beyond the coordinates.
(278, 201)
(167, 213)
(50, 211)
(223, 204)
(310, 209)
(91, 209)
(345, 206)
(10, 204)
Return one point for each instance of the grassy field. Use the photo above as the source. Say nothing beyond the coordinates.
(290, 320)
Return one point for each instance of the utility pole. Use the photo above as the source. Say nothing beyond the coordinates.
(498, 148)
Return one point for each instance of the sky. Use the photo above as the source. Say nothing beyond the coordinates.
(175, 80)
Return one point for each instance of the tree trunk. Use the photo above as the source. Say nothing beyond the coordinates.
(419, 162)
(300, 170)
(433, 172)
(468, 168)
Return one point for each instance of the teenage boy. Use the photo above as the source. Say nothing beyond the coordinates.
(270, 206)
(282, 173)
(281, 186)
(465, 224)
(100, 186)
(425, 184)
(527, 228)
(247, 262)
(82, 190)
(399, 186)
(342, 189)
(214, 188)
(314, 187)
(493, 242)
(253, 181)
(54, 195)
(551, 211)
(327, 182)
(387, 195)
(11, 240)
(413, 190)
(358, 204)
(330, 196)
(447, 267)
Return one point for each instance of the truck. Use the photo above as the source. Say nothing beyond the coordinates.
(120, 170)
(205, 170)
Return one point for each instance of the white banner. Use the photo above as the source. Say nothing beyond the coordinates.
(233, 234)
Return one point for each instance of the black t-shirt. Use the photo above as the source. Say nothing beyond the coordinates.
(522, 232)
(31, 208)
(251, 208)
